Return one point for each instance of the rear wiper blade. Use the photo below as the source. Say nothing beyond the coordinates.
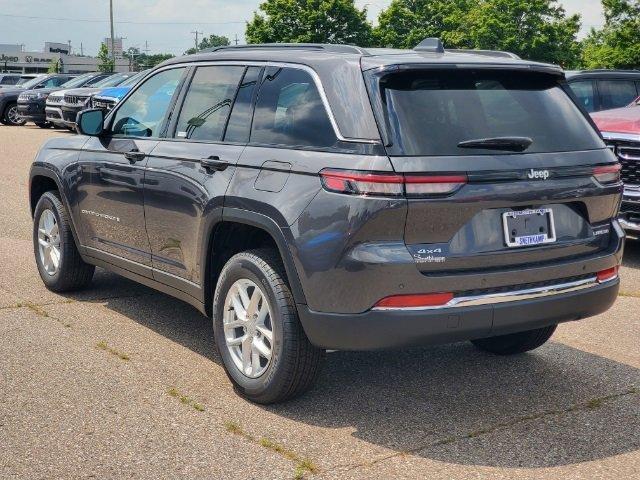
(510, 144)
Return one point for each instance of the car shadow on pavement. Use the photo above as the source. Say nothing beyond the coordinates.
(452, 403)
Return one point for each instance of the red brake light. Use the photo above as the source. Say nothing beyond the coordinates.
(415, 301)
(389, 184)
(608, 274)
(607, 173)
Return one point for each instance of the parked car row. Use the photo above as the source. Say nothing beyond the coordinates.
(55, 99)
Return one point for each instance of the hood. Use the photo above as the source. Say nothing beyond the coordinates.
(115, 92)
(12, 91)
(619, 120)
(83, 92)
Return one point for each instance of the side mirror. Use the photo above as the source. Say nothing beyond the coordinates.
(90, 122)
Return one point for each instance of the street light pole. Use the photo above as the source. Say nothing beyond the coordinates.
(113, 50)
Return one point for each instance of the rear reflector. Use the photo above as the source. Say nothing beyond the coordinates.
(607, 173)
(608, 274)
(415, 301)
(389, 184)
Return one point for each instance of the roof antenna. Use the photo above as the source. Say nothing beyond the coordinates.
(432, 44)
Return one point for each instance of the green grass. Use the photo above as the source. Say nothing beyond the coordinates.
(102, 345)
(185, 400)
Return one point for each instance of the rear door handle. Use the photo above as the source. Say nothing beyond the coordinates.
(213, 163)
(135, 155)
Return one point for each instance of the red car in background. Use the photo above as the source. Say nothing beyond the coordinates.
(621, 130)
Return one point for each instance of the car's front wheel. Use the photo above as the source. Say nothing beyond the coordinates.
(59, 263)
(265, 351)
(514, 343)
(12, 116)
(44, 124)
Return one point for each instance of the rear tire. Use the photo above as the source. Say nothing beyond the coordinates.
(293, 363)
(59, 263)
(514, 343)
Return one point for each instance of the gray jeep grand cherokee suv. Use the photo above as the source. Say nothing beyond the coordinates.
(312, 197)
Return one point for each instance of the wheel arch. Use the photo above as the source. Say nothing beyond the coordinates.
(252, 230)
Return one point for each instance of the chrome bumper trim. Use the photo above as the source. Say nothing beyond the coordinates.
(513, 296)
(627, 225)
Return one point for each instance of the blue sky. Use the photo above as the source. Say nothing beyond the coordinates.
(165, 24)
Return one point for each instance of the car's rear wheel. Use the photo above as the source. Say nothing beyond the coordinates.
(59, 263)
(264, 349)
(514, 343)
(12, 116)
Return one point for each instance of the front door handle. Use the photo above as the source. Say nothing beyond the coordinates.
(213, 163)
(134, 155)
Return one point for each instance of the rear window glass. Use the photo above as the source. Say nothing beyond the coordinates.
(431, 112)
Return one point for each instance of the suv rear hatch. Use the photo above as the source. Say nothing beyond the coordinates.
(501, 167)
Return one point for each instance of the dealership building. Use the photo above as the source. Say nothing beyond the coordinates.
(14, 59)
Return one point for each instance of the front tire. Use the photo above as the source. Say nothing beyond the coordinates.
(12, 117)
(515, 343)
(59, 263)
(44, 125)
(264, 349)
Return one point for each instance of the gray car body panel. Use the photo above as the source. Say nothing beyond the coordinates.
(342, 253)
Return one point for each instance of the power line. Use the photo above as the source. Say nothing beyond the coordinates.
(91, 20)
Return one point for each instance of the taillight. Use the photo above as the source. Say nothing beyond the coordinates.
(415, 301)
(607, 173)
(608, 274)
(390, 184)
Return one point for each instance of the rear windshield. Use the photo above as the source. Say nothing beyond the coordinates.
(430, 112)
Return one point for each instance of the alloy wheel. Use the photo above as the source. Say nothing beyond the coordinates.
(13, 116)
(49, 242)
(248, 329)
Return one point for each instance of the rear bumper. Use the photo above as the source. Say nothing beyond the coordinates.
(378, 329)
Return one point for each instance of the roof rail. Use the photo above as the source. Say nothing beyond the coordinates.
(431, 44)
(327, 47)
(486, 53)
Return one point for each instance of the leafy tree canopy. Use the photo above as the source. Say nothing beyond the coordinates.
(105, 62)
(316, 21)
(617, 44)
(209, 42)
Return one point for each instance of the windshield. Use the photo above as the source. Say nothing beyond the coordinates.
(446, 112)
(32, 83)
(77, 81)
(24, 80)
(112, 80)
(135, 79)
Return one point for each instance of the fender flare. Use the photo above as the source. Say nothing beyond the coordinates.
(281, 236)
(41, 171)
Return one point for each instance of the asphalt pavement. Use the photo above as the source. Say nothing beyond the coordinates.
(120, 381)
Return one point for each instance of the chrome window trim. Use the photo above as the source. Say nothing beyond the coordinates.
(250, 63)
(512, 296)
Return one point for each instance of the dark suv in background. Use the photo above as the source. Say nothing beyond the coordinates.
(604, 89)
(31, 103)
(9, 114)
(312, 197)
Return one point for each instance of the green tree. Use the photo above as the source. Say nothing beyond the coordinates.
(316, 21)
(534, 29)
(105, 62)
(209, 42)
(149, 61)
(617, 44)
(54, 66)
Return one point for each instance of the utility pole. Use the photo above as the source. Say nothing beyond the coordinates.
(146, 47)
(81, 50)
(113, 50)
(236, 40)
(196, 32)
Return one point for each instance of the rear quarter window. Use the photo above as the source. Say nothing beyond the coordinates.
(429, 112)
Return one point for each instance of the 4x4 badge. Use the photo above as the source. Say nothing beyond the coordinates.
(542, 174)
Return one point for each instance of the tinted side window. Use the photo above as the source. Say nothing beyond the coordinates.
(142, 114)
(8, 80)
(239, 125)
(208, 102)
(616, 93)
(289, 111)
(584, 91)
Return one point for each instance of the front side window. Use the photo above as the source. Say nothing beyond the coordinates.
(616, 93)
(208, 101)
(143, 113)
(584, 92)
(290, 112)
(445, 112)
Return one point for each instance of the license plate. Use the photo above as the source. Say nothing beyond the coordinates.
(528, 227)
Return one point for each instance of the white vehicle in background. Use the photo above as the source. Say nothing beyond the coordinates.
(53, 110)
